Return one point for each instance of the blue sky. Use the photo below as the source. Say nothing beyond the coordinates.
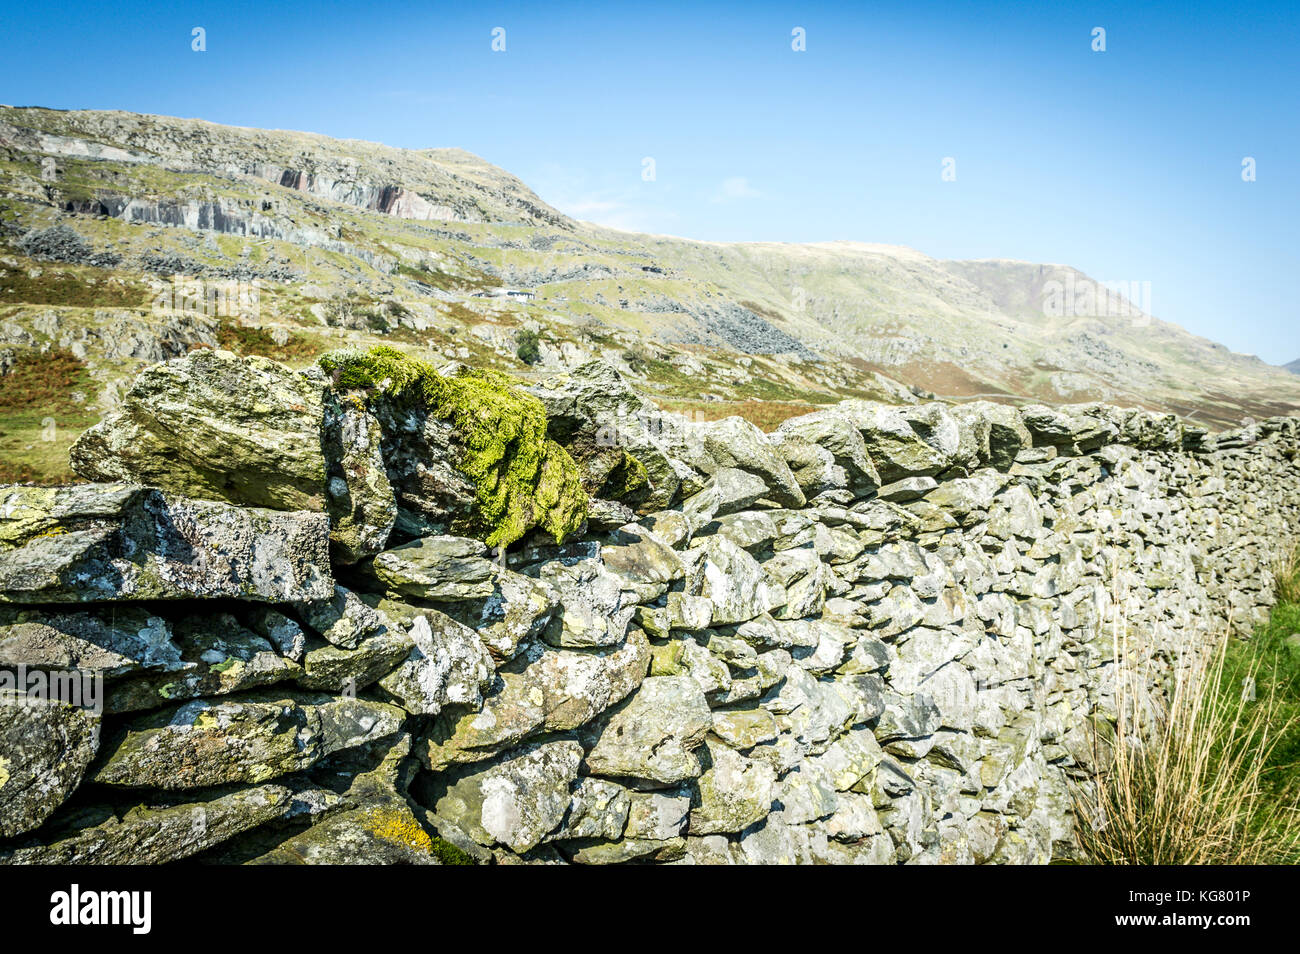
(1126, 163)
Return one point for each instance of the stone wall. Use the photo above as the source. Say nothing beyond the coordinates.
(878, 635)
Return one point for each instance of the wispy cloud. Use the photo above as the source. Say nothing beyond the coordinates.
(640, 207)
(734, 188)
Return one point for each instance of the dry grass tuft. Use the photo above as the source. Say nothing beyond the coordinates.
(1186, 785)
(1286, 576)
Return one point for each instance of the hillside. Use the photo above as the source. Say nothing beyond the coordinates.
(125, 237)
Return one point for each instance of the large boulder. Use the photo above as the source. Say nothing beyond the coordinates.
(466, 451)
(998, 431)
(1072, 429)
(216, 426)
(894, 445)
(252, 432)
(825, 451)
(120, 542)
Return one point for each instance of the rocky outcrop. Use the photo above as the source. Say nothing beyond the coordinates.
(878, 635)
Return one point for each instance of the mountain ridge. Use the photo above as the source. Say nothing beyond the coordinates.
(440, 251)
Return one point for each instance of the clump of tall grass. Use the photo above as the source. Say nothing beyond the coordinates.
(1286, 576)
(1184, 781)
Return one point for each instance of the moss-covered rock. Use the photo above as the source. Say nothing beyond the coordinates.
(521, 479)
(253, 432)
(615, 436)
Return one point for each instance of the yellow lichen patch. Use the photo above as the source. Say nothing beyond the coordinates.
(399, 827)
(4, 771)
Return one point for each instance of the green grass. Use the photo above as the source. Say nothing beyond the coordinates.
(40, 416)
(1217, 779)
(1272, 657)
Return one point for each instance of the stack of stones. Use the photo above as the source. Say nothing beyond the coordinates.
(878, 635)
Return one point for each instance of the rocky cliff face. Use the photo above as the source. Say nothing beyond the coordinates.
(271, 631)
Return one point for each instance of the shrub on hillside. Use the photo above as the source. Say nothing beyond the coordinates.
(528, 346)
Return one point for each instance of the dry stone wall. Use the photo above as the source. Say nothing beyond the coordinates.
(879, 635)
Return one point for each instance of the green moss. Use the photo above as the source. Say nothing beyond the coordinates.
(522, 479)
(626, 479)
(449, 854)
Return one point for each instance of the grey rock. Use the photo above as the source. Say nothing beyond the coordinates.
(215, 426)
(516, 801)
(734, 442)
(732, 581)
(251, 740)
(447, 665)
(109, 642)
(117, 542)
(897, 450)
(733, 792)
(806, 439)
(155, 835)
(342, 619)
(554, 689)
(45, 749)
(438, 568)
(653, 735)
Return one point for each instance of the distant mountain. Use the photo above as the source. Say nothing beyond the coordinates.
(438, 250)
(1293, 367)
